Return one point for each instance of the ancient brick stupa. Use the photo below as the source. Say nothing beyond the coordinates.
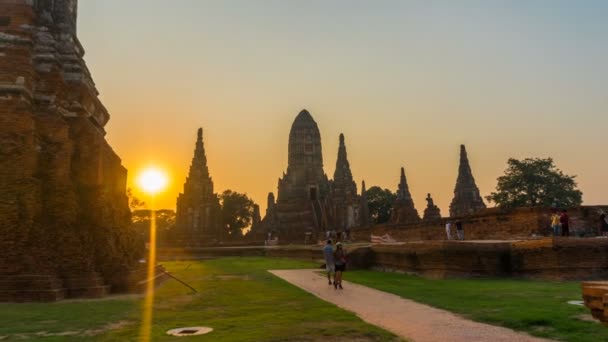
(64, 215)
(432, 212)
(307, 201)
(198, 216)
(344, 198)
(403, 208)
(467, 199)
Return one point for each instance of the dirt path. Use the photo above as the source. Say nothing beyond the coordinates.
(403, 317)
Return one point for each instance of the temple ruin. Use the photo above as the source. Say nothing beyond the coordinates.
(308, 201)
(64, 216)
(403, 208)
(198, 217)
(467, 199)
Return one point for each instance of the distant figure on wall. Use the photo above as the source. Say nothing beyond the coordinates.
(448, 230)
(603, 224)
(564, 219)
(555, 223)
(459, 230)
(328, 254)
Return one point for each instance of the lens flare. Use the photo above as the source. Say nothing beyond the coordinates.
(152, 180)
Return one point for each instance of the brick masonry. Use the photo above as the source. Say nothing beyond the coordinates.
(64, 217)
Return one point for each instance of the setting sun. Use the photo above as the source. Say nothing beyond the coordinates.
(152, 180)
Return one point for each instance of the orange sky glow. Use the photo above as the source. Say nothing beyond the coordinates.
(406, 82)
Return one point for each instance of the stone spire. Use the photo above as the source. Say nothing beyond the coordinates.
(198, 217)
(255, 217)
(432, 212)
(363, 207)
(403, 208)
(343, 176)
(466, 194)
(345, 201)
(199, 168)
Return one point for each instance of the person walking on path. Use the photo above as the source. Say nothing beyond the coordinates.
(555, 223)
(340, 262)
(328, 253)
(448, 230)
(459, 230)
(564, 219)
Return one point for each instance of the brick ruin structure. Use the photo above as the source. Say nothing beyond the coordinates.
(404, 210)
(64, 214)
(198, 217)
(467, 199)
(308, 202)
(432, 212)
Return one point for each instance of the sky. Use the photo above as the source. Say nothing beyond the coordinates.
(407, 82)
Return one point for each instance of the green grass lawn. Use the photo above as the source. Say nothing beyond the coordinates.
(537, 307)
(237, 298)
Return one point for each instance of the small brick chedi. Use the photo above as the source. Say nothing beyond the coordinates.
(466, 199)
(307, 200)
(64, 215)
(198, 217)
(403, 208)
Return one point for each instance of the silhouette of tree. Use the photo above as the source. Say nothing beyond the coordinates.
(535, 182)
(237, 212)
(134, 202)
(380, 203)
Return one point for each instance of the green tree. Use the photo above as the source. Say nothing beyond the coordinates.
(535, 182)
(380, 203)
(237, 212)
(165, 222)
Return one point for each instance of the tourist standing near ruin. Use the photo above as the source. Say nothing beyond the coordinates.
(564, 219)
(340, 262)
(448, 230)
(459, 230)
(328, 253)
(603, 225)
(555, 223)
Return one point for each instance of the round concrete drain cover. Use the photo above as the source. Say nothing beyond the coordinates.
(189, 331)
(576, 302)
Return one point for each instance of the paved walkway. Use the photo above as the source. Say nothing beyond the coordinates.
(403, 317)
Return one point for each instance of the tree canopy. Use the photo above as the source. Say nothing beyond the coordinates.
(535, 182)
(380, 203)
(237, 212)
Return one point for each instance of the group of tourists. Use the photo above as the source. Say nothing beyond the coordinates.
(560, 223)
(337, 236)
(335, 263)
(459, 230)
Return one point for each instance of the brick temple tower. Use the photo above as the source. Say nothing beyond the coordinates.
(466, 194)
(403, 208)
(344, 198)
(64, 215)
(305, 179)
(198, 216)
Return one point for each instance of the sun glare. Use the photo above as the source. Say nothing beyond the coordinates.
(152, 180)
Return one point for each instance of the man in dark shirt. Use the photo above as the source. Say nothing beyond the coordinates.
(564, 220)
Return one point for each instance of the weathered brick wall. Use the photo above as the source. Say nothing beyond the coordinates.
(63, 208)
(490, 224)
(547, 258)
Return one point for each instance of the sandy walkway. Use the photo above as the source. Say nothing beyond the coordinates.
(403, 317)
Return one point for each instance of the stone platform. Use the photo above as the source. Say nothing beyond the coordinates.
(547, 258)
